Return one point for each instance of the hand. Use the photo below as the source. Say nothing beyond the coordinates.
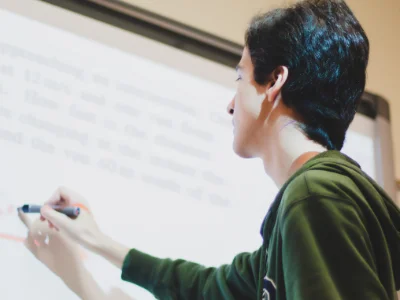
(83, 229)
(62, 256)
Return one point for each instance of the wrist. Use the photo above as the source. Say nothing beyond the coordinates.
(110, 249)
(96, 242)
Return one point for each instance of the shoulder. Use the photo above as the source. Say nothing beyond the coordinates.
(316, 184)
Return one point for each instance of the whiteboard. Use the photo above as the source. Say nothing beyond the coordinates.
(137, 127)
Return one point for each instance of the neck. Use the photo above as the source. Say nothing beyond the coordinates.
(287, 151)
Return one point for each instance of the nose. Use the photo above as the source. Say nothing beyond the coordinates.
(231, 106)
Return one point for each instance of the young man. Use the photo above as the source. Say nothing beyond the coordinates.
(331, 233)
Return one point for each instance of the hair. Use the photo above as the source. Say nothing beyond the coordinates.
(326, 52)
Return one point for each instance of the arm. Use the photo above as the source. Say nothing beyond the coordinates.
(166, 279)
(180, 279)
(327, 253)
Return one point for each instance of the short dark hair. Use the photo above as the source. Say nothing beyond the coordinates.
(326, 52)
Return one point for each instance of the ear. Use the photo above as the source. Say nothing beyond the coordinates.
(277, 80)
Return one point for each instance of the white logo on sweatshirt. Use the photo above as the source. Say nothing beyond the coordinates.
(269, 289)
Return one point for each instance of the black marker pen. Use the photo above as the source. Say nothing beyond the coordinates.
(69, 211)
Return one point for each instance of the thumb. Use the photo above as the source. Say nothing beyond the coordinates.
(59, 220)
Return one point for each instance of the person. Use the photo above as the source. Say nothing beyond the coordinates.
(331, 232)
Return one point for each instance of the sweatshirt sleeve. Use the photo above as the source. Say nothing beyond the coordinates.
(327, 253)
(180, 279)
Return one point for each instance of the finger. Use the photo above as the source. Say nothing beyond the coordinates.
(57, 219)
(61, 197)
(70, 197)
(30, 245)
(42, 218)
(35, 238)
(24, 219)
(51, 226)
(55, 198)
(34, 244)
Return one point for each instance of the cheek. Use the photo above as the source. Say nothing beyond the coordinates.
(248, 102)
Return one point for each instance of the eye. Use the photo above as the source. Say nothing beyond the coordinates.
(239, 78)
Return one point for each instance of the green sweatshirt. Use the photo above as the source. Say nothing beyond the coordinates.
(331, 233)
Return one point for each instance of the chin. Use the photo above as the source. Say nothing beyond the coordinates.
(241, 150)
